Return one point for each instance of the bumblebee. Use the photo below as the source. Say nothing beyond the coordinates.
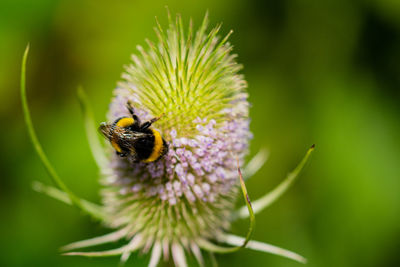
(129, 137)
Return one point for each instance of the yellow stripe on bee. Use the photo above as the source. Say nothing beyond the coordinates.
(116, 146)
(125, 122)
(158, 146)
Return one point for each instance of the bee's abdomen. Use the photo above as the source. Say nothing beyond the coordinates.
(158, 147)
(144, 147)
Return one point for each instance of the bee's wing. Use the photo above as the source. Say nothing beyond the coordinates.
(131, 138)
(132, 141)
(137, 135)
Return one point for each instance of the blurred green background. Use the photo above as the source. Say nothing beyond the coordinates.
(324, 72)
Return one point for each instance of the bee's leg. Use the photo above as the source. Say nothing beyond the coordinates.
(133, 158)
(132, 112)
(147, 124)
(130, 108)
(165, 148)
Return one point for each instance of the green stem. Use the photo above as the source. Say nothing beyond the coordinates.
(207, 245)
(38, 148)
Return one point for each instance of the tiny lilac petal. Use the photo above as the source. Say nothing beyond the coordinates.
(191, 178)
(177, 186)
(137, 187)
(170, 194)
(185, 165)
(183, 180)
(189, 195)
(176, 142)
(207, 167)
(187, 154)
(123, 191)
(192, 143)
(163, 196)
(172, 133)
(197, 190)
(172, 201)
(199, 127)
(221, 173)
(212, 178)
(184, 141)
(179, 170)
(206, 187)
(168, 186)
(200, 152)
(180, 152)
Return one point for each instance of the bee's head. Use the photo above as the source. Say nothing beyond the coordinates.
(105, 129)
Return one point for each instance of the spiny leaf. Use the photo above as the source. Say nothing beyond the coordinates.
(91, 131)
(255, 163)
(264, 247)
(272, 196)
(91, 208)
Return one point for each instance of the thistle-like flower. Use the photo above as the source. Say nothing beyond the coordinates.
(184, 202)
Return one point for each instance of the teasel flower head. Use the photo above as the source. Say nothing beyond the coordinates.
(184, 202)
(189, 194)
